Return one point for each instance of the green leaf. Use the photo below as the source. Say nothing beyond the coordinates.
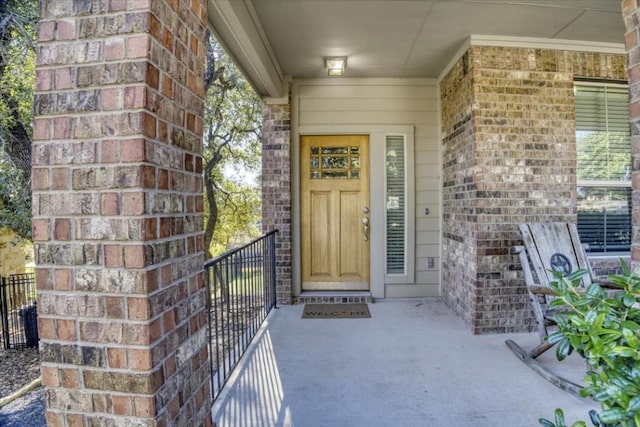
(559, 417)
(557, 303)
(601, 396)
(609, 335)
(628, 324)
(634, 405)
(593, 290)
(618, 280)
(623, 351)
(563, 349)
(611, 416)
(629, 300)
(599, 320)
(555, 337)
(546, 423)
(630, 337)
(590, 317)
(576, 276)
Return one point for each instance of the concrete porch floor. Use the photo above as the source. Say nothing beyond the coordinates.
(412, 364)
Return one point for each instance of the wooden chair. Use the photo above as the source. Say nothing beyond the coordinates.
(548, 247)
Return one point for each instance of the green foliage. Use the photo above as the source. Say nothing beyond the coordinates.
(237, 219)
(560, 420)
(603, 327)
(231, 147)
(15, 201)
(18, 23)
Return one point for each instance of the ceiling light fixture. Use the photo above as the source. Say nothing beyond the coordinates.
(335, 65)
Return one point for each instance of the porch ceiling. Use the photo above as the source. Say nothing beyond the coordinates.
(271, 39)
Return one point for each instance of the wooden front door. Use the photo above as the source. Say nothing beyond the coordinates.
(335, 225)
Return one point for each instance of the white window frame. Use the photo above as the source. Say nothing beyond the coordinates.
(603, 183)
(408, 277)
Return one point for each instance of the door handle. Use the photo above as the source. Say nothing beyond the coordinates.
(365, 223)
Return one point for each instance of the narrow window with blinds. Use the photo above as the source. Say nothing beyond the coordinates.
(604, 167)
(396, 204)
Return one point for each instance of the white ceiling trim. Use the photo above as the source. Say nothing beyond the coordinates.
(365, 81)
(541, 43)
(532, 43)
(237, 27)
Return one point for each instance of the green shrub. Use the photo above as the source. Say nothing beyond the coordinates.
(603, 327)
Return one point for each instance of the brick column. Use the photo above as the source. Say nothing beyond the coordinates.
(276, 190)
(631, 16)
(117, 205)
(509, 156)
(459, 236)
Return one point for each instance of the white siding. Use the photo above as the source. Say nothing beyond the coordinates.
(354, 105)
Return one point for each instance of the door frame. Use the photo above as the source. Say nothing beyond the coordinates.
(349, 186)
(377, 205)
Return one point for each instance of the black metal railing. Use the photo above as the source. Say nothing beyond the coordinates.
(242, 292)
(18, 312)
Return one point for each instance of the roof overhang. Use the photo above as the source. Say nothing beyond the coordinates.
(237, 27)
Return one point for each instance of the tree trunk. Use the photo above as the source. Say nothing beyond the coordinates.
(213, 214)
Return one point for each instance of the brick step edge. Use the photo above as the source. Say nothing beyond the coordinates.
(338, 299)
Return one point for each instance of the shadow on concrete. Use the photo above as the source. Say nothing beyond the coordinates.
(412, 364)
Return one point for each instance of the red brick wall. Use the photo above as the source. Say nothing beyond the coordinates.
(459, 216)
(276, 190)
(509, 157)
(117, 205)
(631, 15)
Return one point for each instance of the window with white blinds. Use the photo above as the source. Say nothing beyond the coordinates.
(396, 212)
(604, 167)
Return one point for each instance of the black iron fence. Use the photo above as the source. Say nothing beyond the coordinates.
(18, 313)
(242, 292)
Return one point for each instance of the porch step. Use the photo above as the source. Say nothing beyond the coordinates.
(333, 297)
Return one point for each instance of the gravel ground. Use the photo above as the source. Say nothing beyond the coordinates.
(17, 369)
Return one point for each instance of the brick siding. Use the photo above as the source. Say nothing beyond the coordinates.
(509, 156)
(459, 269)
(276, 190)
(631, 16)
(118, 211)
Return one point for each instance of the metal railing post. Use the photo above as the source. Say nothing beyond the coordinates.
(272, 285)
(4, 311)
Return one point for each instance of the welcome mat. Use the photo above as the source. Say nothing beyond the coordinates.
(336, 311)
